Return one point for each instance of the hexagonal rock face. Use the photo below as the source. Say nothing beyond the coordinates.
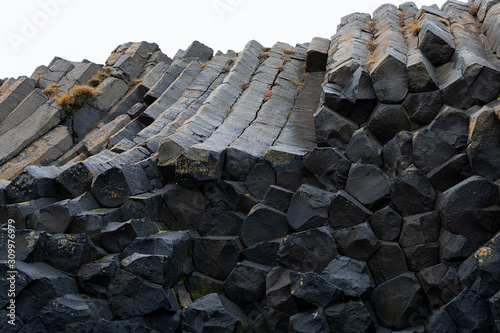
(397, 302)
(260, 218)
(309, 208)
(350, 275)
(436, 43)
(197, 166)
(330, 167)
(484, 144)
(349, 316)
(368, 184)
(466, 209)
(387, 120)
(358, 242)
(246, 283)
(309, 250)
(412, 193)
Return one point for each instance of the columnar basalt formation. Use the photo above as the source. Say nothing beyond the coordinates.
(348, 184)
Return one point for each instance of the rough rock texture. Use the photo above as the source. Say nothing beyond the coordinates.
(343, 185)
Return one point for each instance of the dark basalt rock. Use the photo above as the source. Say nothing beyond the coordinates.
(388, 262)
(387, 120)
(386, 224)
(412, 193)
(309, 208)
(130, 295)
(68, 252)
(464, 209)
(349, 316)
(299, 251)
(279, 290)
(246, 283)
(364, 148)
(368, 184)
(346, 211)
(399, 301)
(309, 321)
(310, 290)
(262, 217)
(330, 166)
(350, 275)
(483, 149)
(398, 153)
(216, 256)
(358, 242)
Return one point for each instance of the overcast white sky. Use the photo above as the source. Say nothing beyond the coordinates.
(32, 32)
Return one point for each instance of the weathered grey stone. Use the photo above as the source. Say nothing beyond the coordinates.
(199, 51)
(41, 121)
(14, 94)
(317, 54)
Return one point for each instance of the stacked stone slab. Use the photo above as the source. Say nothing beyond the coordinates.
(282, 189)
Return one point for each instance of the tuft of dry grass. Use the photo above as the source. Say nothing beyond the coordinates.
(371, 45)
(287, 59)
(290, 51)
(299, 85)
(289, 113)
(38, 79)
(268, 95)
(245, 86)
(75, 98)
(204, 64)
(303, 67)
(51, 91)
(371, 61)
(473, 10)
(445, 22)
(281, 68)
(96, 80)
(266, 49)
(263, 55)
(415, 28)
(228, 111)
(370, 27)
(226, 68)
(401, 16)
(134, 82)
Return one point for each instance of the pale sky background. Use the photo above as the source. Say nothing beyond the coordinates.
(32, 32)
